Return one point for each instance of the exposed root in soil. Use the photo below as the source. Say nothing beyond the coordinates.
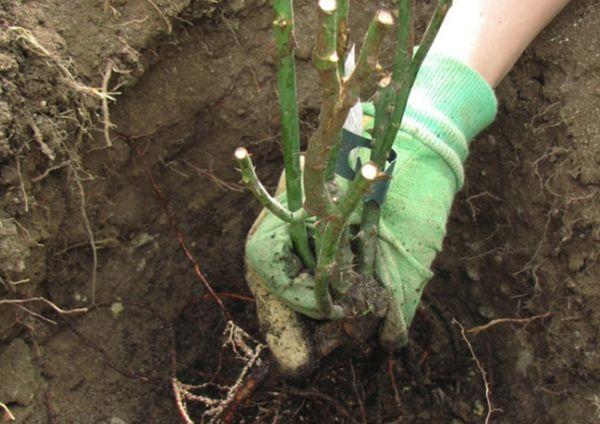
(106, 124)
(56, 308)
(478, 329)
(90, 234)
(178, 234)
(218, 409)
(35, 46)
(240, 343)
(22, 183)
(487, 384)
(162, 15)
(39, 138)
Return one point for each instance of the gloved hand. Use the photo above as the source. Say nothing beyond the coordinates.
(449, 104)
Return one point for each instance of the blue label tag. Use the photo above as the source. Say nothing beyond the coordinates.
(351, 141)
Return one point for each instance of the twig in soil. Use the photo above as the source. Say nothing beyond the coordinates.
(178, 234)
(49, 407)
(359, 399)
(105, 112)
(49, 170)
(37, 136)
(397, 397)
(222, 184)
(162, 15)
(88, 229)
(478, 329)
(488, 386)
(56, 308)
(224, 295)
(22, 184)
(529, 265)
(100, 244)
(7, 415)
(36, 315)
(474, 209)
(109, 7)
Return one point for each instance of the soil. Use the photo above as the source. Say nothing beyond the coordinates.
(195, 79)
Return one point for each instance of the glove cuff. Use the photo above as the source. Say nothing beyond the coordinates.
(450, 103)
(451, 99)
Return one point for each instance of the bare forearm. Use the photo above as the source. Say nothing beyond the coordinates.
(490, 35)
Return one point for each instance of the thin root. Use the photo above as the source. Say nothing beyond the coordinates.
(105, 112)
(486, 383)
(53, 305)
(480, 328)
(90, 234)
(162, 15)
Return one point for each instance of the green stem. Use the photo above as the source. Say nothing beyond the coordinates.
(330, 240)
(283, 27)
(381, 150)
(293, 218)
(369, 53)
(325, 59)
(251, 181)
(343, 8)
(333, 115)
(394, 96)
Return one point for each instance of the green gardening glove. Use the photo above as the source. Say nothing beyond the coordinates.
(450, 103)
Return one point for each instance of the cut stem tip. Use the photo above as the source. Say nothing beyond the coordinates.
(369, 171)
(328, 6)
(385, 18)
(240, 153)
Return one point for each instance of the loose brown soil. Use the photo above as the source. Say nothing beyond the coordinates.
(196, 80)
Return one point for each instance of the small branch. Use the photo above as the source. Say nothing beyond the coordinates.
(393, 96)
(381, 150)
(486, 383)
(251, 181)
(369, 54)
(326, 264)
(47, 302)
(283, 26)
(325, 55)
(325, 60)
(478, 329)
(334, 110)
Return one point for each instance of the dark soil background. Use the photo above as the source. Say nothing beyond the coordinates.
(196, 79)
